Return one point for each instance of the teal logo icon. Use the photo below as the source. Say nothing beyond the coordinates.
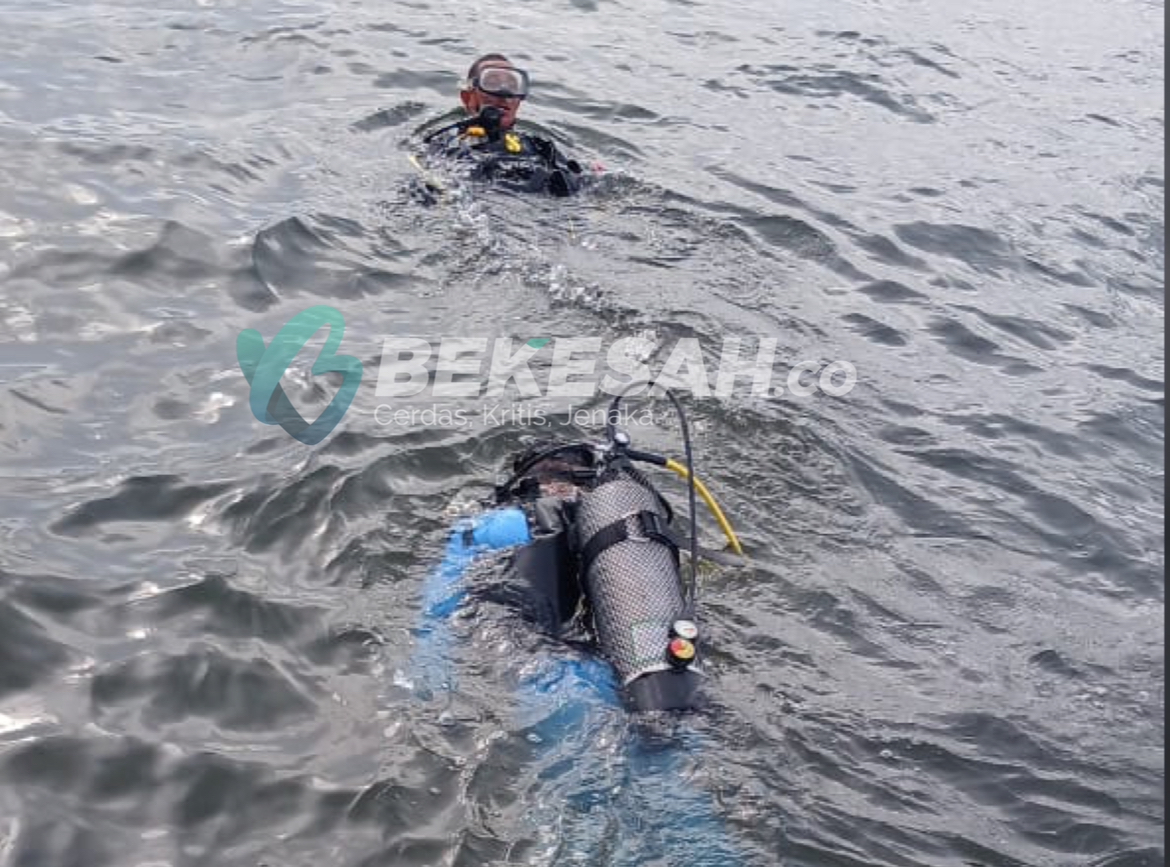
(263, 366)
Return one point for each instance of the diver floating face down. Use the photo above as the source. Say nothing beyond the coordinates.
(493, 81)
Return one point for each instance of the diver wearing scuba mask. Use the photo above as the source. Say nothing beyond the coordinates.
(593, 545)
(590, 558)
(488, 143)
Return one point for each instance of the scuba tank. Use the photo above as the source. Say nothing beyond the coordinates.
(629, 564)
(606, 551)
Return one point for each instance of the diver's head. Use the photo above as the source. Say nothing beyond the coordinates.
(494, 82)
(554, 466)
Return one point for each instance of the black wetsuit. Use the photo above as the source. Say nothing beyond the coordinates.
(509, 158)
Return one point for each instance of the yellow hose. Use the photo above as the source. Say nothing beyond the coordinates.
(724, 524)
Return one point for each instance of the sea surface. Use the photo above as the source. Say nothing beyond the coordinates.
(948, 648)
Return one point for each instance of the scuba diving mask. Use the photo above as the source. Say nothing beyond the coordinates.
(502, 82)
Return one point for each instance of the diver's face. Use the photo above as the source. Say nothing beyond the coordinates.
(475, 100)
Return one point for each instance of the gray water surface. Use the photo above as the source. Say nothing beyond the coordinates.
(949, 651)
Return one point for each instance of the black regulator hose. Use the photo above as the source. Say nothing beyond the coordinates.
(492, 117)
(611, 432)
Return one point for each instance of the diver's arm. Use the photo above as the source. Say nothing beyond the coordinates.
(565, 176)
(429, 668)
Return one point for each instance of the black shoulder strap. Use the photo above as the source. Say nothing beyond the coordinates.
(650, 527)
